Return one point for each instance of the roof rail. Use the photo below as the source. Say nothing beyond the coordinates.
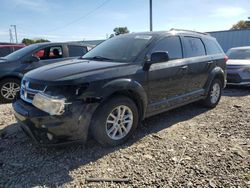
(173, 29)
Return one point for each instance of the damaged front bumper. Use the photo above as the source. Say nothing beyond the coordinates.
(46, 129)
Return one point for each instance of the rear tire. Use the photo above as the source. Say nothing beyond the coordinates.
(9, 90)
(114, 121)
(214, 94)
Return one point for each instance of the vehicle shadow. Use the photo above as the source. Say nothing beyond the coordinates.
(23, 164)
(236, 91)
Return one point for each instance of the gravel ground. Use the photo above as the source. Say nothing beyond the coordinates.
(186, 147)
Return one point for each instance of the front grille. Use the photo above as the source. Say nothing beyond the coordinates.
(30, 89)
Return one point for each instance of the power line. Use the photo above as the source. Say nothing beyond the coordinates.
(78, 19)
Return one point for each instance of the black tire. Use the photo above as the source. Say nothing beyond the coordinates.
(208, 102)
(99, 122)
(3, 83)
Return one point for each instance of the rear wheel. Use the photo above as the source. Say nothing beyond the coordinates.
(9, 90)
(214, 94)
(115, 121)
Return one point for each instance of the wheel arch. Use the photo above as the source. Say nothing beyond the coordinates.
(216, 73)
(12, 76)
(128, 88)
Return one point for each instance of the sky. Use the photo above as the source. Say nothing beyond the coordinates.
(75, 20)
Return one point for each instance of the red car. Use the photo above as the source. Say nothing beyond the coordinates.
(8, 48)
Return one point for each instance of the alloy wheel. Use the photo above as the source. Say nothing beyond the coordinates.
(119, 122)
(215, 93)
(9, 90)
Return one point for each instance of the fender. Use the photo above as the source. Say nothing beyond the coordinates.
(217, 72)
(124, 84)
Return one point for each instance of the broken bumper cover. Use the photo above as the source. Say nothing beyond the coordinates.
(45, 129)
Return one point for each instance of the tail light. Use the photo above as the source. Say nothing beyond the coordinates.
(226, 58)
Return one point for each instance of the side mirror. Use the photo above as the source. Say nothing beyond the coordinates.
(158, 57)
(33, 59)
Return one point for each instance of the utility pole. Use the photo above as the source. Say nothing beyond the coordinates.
(15, 32)
(150, 15)
(11, 37)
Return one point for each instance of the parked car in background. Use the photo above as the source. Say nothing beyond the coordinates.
(117, 84)
(8, 48)
(16, 64)
(238, 66)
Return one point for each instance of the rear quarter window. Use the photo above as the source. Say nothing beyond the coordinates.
(76, 51)
(212, 47)
(194, 47)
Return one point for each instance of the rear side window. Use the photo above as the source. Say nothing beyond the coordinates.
(194, 47)
(5, 51)
(172, 45)
(212, 47)
(75, 51)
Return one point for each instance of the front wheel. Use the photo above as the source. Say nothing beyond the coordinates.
(115, 121)
(214, 94)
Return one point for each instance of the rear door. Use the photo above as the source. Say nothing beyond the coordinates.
(198, 63)
(167, 80)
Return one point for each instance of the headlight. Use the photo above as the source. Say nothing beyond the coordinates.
(49, 104)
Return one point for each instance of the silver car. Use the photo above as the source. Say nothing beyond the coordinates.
(238, 66)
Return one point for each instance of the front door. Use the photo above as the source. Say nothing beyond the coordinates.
(47, 56)
(167, 80)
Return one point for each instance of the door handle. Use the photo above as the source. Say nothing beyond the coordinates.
(210, 62)
(184, 67)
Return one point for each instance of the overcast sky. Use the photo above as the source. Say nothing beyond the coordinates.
(64, 20)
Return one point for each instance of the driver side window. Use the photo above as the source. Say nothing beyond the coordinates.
(172, 45)
(53, 52)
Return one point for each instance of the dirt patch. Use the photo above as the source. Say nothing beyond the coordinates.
(189, 147)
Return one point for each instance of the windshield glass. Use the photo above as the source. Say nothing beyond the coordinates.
(239, 54)
(120, 48)
(21, 52)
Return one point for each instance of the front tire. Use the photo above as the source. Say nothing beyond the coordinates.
(214, 94)
(114, 121)
(9, 90)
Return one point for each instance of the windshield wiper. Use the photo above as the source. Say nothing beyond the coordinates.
(98, 58)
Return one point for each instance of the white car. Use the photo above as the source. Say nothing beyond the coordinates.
(238, 66)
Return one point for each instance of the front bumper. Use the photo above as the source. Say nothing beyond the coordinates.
(45, 129)
(237, 76)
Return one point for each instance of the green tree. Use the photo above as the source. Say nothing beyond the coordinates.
(241, 25)
(119, 31)
(33, 41)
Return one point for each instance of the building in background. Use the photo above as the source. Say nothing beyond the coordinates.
(232, 38)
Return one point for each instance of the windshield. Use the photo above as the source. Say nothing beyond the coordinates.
(239, 54)
(21, 52)
(120, 48)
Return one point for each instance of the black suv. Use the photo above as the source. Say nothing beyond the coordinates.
(119, 83)
(16, 64)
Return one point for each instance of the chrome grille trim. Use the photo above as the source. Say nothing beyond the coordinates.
(26, 91)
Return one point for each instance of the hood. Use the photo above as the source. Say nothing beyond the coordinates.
(74, 69)
(238, 62)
